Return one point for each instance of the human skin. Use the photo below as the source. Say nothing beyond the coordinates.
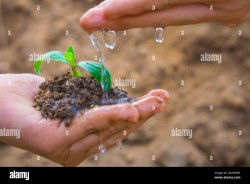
(126, 14)
(68, 146)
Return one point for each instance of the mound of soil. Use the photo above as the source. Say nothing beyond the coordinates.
(64, 97)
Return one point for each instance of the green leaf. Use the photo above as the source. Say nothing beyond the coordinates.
(71, 50)
(70, 58)
(94, 69)
(37, 66)
(70, 55)
(79, 74)
(53, 55)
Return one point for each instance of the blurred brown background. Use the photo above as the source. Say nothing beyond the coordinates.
(215, 133)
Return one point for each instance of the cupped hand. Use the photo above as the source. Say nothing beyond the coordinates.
(125, 14)
(68, 146)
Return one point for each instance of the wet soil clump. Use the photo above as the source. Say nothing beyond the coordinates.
(64, 97)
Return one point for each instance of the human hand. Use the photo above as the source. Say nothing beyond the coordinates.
(125, 14)
(68, 146)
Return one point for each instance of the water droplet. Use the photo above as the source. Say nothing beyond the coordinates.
(110, 39)
(159, 35)
(119, 144)
(95, 41)
(102, 148)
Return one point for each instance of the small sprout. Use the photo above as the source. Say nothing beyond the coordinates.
(68, 57)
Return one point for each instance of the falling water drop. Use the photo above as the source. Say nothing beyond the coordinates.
(95, 41)
(159, 35)
(110, 39)
(102, 148)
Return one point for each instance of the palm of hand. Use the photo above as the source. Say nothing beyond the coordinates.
(68, 146)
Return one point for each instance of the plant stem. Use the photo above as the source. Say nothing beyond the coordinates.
(74, 72)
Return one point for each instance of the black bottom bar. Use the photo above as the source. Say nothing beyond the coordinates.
(126, 174)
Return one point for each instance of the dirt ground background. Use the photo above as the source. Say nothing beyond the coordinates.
(216, 132)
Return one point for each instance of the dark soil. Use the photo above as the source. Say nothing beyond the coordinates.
(64, 97)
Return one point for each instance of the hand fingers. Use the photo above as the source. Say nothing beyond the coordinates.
(159, 93)
(101, 118)
(92, 121)
(114, 139)
(149, 106)
(90, 144)
(178, 15)
(151, 103)
(114, 9)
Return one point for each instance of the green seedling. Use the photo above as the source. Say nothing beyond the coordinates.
(94, 68)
